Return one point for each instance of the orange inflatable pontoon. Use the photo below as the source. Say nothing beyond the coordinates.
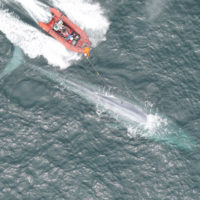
(69, 34)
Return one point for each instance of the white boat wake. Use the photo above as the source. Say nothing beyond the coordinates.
(36, 9)
(35, 43)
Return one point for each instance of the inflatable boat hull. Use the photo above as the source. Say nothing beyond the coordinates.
(82, 44)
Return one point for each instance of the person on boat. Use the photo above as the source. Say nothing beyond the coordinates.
(59, 26)
(65, 33)
(55, 28)
(69, 37)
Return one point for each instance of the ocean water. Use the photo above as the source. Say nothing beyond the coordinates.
(131, 132)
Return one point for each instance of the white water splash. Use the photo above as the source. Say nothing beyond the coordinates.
(152, 126)
(162, 130)
(37, 10)
(154, 122)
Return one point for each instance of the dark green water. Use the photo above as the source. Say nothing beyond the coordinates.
(55, 144)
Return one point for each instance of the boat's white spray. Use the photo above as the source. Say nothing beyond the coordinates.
(36, 9)
(35, 43)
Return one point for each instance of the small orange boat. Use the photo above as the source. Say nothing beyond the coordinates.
(69, 34)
